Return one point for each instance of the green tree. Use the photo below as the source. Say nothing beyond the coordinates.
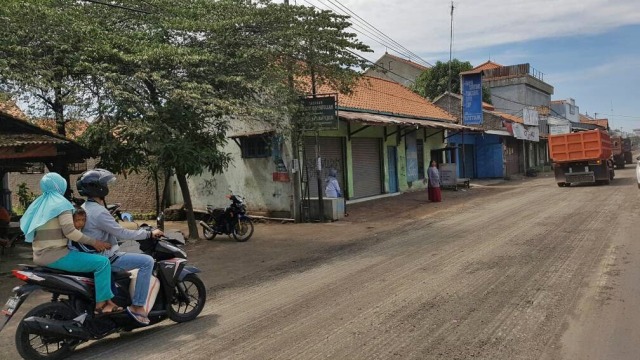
(47, 58)
(434, 81)
(176, 79)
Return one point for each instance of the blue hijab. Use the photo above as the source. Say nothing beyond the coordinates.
(47, 206)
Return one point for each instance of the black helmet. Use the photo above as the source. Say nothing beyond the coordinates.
(95, 183)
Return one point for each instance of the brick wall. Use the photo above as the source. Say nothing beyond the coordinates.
(135, 192)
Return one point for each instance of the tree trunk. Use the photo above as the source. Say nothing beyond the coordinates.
(186, 195)
(61, 162)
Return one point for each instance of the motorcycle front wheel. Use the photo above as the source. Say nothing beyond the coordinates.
(243, 230)
(37, 347)
(208, 234)
(188, 299)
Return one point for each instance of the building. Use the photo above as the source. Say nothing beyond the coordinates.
(521, 90)
(492, 153)
(383, 141)
(397, 69)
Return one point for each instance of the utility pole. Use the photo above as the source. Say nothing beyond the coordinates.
(297, 164)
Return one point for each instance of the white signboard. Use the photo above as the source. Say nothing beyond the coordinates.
(529, 133)
(530, 117)
(448, 174)
(559, 129)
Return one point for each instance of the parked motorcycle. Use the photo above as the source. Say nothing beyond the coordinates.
(232, 220)
(52, 330)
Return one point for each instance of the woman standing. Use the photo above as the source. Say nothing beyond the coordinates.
(48, 224)
(433, 189)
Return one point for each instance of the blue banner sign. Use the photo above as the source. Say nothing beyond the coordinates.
(472, 99)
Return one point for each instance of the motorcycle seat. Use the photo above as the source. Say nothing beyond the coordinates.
(115, 275)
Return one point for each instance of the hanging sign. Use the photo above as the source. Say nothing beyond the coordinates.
(472, 99)
(322, 111)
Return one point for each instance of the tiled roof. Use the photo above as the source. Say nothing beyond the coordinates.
(74, 128)
(10, 108)
(7, 140)
(379, 95)
(510, 117)
(487, 65)
(408, 62)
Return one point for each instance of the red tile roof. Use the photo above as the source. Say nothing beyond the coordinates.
(10, 108)
(379, 95)
(74, 128)
(510, 117)
(487, 65)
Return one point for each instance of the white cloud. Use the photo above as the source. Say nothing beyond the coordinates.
(423, 26)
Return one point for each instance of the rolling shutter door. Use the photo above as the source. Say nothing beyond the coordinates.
(332, 157)
(366, 167)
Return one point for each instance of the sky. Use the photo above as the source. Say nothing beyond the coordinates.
(588, 50)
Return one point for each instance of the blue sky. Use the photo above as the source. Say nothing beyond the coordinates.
(588, 50)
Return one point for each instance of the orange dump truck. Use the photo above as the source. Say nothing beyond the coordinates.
(582, 157)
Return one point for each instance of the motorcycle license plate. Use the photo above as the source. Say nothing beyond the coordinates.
(10, 306)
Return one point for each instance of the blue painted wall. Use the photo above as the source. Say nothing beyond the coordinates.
(488, 156)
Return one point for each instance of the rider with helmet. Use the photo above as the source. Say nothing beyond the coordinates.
(94, 184)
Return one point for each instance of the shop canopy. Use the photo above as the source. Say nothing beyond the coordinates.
(387, 120)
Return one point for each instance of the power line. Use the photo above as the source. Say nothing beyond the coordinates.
(377, 30)
(118, 6)
(362, 24)
(355, 26)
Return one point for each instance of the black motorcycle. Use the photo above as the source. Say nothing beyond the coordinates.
(232, 220)
(52, 330)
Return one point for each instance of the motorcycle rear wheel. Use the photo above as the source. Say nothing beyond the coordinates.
(188, 300)
(243, 230)
(36, 347)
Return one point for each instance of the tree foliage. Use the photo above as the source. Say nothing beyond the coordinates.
(47, 56)
(434, 81)
(165, 85)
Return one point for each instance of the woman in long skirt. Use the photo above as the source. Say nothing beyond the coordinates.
(433, 189)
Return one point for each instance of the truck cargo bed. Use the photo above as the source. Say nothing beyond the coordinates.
(580, 146)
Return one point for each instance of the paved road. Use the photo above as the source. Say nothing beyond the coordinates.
(533, 272)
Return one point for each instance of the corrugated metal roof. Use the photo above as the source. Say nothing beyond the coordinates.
(8, 140)
(379, 119)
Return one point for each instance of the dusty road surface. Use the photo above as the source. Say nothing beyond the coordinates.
(522, 270)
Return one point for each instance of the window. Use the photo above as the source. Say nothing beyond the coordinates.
(255, 146)
(572, 109)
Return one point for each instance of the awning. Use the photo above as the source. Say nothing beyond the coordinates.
(499, 132)
(384, 120)
(11, 140)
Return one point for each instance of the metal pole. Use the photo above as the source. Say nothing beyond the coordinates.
(319, 178)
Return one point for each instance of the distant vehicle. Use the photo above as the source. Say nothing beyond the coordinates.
(617, 148)
(582, 157)
(626, 150)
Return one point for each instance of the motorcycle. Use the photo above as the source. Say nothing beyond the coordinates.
(232, 220)
(54, 329)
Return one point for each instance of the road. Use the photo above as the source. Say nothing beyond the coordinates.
(532, 272)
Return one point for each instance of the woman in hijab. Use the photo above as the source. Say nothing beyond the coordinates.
(332, 187)
(48, 223)
(433, 189)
